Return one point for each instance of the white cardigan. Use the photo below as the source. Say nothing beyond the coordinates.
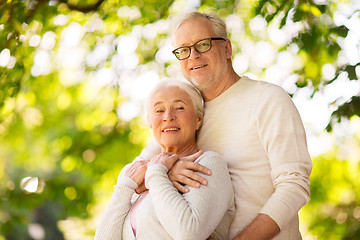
(165, 213)
(256, 128)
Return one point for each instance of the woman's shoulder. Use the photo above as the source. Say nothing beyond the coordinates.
(211, 158)
(210, 154)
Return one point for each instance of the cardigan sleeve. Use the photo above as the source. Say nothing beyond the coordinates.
(283, 138)
(196, 214)
(112, 221)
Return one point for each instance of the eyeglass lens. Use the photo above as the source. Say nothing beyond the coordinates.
(201, 47)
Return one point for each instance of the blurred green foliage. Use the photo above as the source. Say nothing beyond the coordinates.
(63, 140)
(334, 210)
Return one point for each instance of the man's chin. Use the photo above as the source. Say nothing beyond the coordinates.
(201, 84)
(197, 82)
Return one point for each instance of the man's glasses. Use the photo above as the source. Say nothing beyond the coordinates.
(201, 46)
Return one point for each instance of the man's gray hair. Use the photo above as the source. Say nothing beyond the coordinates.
(193, 93)
(219, 25)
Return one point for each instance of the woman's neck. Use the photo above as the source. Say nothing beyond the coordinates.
(186, 151)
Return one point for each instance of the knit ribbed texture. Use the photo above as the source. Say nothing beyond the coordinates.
(167, 214)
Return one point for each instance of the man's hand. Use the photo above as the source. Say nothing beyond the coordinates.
(183, 173)
(263, 228)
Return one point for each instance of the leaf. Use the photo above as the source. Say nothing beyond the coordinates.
(298, 15)
(341, 31)
(346, 110)
(351, 70)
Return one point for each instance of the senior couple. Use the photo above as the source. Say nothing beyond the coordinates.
(244, 175)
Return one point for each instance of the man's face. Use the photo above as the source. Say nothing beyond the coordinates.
(203, 70)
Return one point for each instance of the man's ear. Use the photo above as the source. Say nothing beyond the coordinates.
(228, 49)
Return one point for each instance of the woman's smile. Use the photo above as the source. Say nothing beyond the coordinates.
(173, 118)
(171, 130)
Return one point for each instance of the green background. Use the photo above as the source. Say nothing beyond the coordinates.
(67, 70)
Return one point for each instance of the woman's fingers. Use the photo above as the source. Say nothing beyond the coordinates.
(165, 158)
(141, 188)
(136, 171)
(183, 171)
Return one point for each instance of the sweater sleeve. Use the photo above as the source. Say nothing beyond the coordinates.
(196, 214)
(283, 138)
(112, 221)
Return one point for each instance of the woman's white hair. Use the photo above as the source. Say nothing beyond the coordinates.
(193, 93)
(219, 25)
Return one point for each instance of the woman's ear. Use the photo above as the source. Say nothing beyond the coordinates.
(198, 123)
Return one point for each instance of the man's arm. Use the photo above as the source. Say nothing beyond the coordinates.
(262, 228)
(283, 137)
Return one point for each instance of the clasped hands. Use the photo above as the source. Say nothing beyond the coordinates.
(181, 171)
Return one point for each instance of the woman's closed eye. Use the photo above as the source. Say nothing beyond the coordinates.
(159, 111)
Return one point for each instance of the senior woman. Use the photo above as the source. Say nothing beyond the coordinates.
(175, 113)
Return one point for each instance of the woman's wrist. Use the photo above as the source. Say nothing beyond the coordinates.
(127, 182)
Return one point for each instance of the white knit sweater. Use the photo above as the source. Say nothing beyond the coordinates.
(256, 127)
(165, 213)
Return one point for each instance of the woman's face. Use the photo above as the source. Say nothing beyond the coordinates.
(173, 119)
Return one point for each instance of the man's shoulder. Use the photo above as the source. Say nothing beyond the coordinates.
(261, 88)
(260, 84)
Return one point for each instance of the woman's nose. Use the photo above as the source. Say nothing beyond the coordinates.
(169, 116)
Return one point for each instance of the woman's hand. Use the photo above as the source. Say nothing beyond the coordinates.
(141, 188)
(167, 159)
(136, 171)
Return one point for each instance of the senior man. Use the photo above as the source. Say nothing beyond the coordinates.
(254, 125)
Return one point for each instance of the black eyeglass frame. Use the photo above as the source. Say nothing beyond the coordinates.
(189, 47)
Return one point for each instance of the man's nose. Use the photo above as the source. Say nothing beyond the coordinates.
(194, 53)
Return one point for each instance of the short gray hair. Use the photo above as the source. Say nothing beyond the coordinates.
(193, 93)
(219, 25)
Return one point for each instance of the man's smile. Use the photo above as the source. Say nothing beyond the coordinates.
(198, 67)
